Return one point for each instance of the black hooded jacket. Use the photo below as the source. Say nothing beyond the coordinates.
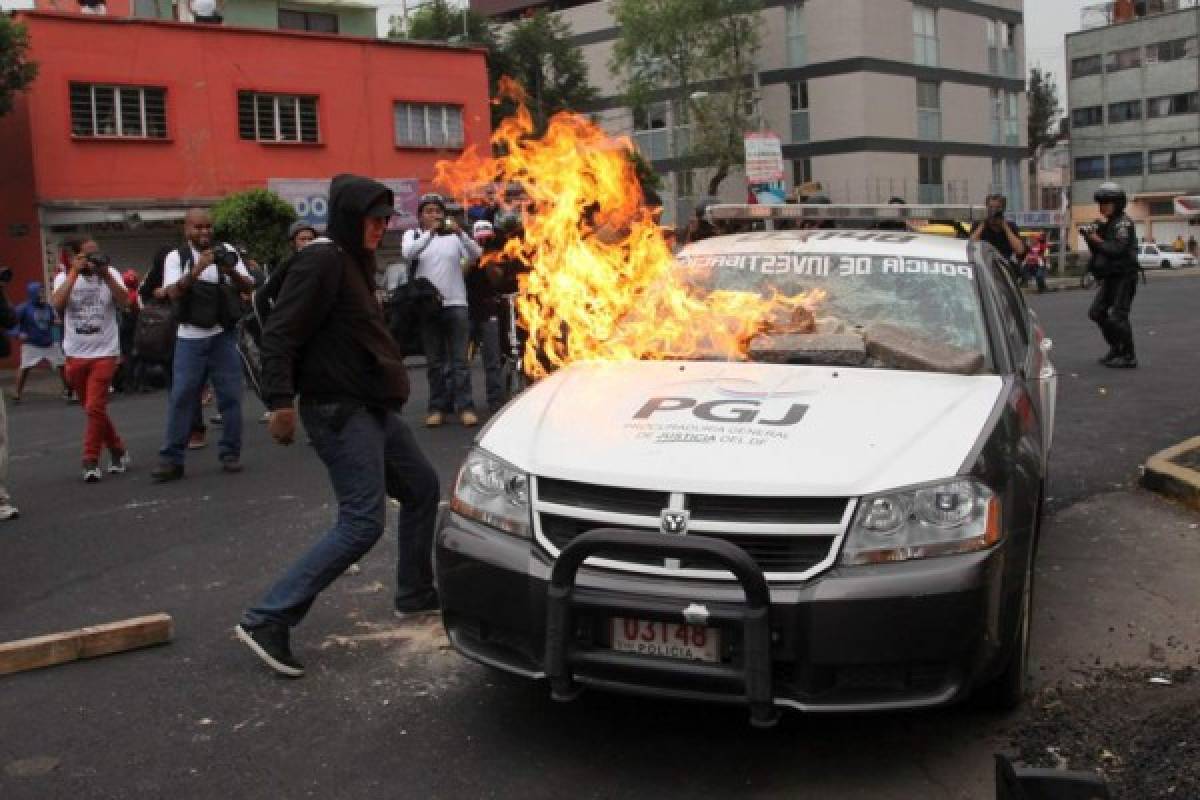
(325, 338)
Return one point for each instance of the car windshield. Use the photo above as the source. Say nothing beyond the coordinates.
(890, 312)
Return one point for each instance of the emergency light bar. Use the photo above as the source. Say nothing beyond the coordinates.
(825, 211)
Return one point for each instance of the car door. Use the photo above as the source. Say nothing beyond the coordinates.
(1030, 349)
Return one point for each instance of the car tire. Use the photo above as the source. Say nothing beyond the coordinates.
(1006, 691)
(1165, 265)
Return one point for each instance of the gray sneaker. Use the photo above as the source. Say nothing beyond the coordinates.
(120, 464)
(91, 472)
(8, 511)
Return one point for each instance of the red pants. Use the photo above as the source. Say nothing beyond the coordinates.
(90, 378)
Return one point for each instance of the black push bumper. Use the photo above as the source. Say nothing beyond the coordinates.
(753, 675)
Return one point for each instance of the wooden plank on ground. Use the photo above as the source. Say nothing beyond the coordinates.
(89, 642)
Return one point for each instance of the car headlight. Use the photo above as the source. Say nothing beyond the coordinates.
(493, 492)
(955, 516)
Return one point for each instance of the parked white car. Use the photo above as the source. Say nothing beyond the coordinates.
(1151, 256)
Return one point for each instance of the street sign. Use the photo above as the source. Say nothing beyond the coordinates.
(1037, 219)
(310, 198)
(764, 157)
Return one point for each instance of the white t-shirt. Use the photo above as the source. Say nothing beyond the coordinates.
(90, 322)
(440, 261)
(172, 272)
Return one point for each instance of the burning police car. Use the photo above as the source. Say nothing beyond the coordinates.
(840, 516)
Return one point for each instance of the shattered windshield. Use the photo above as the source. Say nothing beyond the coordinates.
(873, 310)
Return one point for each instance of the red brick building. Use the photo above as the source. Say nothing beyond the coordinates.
(132, 121)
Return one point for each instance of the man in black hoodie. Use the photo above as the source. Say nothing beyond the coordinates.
(326, 342)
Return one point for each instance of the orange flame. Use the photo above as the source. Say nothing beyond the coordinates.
(602, 281)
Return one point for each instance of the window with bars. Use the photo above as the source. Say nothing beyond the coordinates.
(797, 41)
(929, 111)
(118, 112)
(1125, 164)
(428, 125)
(1085, 117)
(1124, 112)
(278, 118)
(798, 98)
(1087, 65)
(315, 21)
(925, 43)
(1173, 104)
(1172, 50)
(1130, 58)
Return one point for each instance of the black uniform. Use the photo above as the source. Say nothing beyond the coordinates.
(1115, 265)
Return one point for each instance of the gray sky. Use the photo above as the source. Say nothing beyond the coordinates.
(1046, 23)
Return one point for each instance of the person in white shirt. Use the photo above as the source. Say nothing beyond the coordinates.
(205, 279)
(87, 297)
(443, 252)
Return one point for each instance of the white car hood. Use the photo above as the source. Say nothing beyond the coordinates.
(706, 427)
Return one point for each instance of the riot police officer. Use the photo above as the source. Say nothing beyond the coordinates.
(1113, 242)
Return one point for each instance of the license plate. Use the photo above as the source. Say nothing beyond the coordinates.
(666, 639)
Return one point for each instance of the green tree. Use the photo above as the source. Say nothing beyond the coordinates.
(258, 219)
(438, 21)
(699, 55)
(16, 71)
(1044, 110)
(538, 54)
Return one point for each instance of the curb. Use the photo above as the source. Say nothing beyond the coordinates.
(1161, 474)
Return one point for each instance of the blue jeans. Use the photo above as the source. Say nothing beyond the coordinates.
(444, 337)
(217, 358)
(370, 455)
(487, 333)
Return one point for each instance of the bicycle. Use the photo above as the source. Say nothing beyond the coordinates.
(512, 350)
(1087, 280)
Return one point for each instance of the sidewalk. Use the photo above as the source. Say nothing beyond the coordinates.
(1068, 282)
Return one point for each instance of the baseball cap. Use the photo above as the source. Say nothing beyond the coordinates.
(383, 208)
(300, 225)
(483, 228)
(431, 198)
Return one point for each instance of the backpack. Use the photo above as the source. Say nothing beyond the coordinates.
(154, 333)
(251, 326)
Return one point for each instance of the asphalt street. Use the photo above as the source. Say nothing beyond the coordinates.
(388, 710)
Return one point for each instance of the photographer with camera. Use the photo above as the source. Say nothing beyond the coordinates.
(205, 281)
(1113, 242)
(443, 253)
(88, 296)
(1001, 234)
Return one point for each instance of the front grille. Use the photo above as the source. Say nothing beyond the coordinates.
(785, 536)
(773, 553)
(794, 510)
(601, 498)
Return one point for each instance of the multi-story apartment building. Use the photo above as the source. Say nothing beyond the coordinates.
(1134, 104)
(922, 99)
(130, 121)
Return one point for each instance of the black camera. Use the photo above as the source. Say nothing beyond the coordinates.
(225, 257)
(1087, 230)
(444, 227)
(6, 275)
(98, 260)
